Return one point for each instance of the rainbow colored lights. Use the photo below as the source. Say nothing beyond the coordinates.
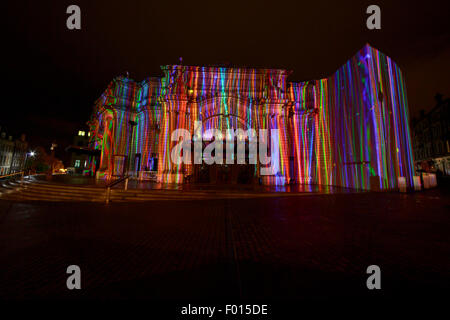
(350, 129)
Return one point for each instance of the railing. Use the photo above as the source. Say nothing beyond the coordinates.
(14, 174)
(112, 184)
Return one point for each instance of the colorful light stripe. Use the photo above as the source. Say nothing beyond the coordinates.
(350, 129)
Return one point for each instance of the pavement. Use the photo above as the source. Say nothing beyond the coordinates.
(315, 246)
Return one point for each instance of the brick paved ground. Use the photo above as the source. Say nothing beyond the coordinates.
(306, 247)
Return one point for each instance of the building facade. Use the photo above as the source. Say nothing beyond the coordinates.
(79, 160)
(350, 129)
(431, 138)
(13, 153)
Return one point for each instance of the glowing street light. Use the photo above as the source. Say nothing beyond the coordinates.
(28, 155)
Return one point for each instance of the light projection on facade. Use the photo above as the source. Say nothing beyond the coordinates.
(350, 129)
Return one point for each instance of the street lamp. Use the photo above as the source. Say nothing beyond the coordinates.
(31, 154)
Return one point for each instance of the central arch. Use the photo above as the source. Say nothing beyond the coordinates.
(225, 173)
(224, 115)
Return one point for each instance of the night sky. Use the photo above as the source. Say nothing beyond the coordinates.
(52, 75)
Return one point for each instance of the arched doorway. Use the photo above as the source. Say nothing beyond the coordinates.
(226, 173)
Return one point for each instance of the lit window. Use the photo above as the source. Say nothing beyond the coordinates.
(81, 133)
(89, 134)
(77, 163)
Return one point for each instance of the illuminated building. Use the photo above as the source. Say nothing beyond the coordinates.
(12, 153)
(350, 129)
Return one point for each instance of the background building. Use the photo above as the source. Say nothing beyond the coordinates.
(350, 129)
(79, 161)
(13, 153)
(431, 138)
(83, 160)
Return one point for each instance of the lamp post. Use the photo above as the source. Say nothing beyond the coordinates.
(28, 154)
(52, 149)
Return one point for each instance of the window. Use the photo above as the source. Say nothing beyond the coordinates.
(81, 133)
(77, 163)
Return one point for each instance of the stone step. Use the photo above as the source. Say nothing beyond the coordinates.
(45, 188)
(62, 191)
(51, 186)
(43, 191)
(42, 196)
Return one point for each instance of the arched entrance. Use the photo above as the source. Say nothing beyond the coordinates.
(225, 173)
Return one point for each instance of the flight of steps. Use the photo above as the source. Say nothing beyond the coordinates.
(42, 191)
(45, 191)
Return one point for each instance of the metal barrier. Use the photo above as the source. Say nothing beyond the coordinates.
(112, 184)
(14, 174)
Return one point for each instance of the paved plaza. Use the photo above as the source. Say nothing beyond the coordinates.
(311, 246)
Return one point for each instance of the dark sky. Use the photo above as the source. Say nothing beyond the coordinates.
(52, 75)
